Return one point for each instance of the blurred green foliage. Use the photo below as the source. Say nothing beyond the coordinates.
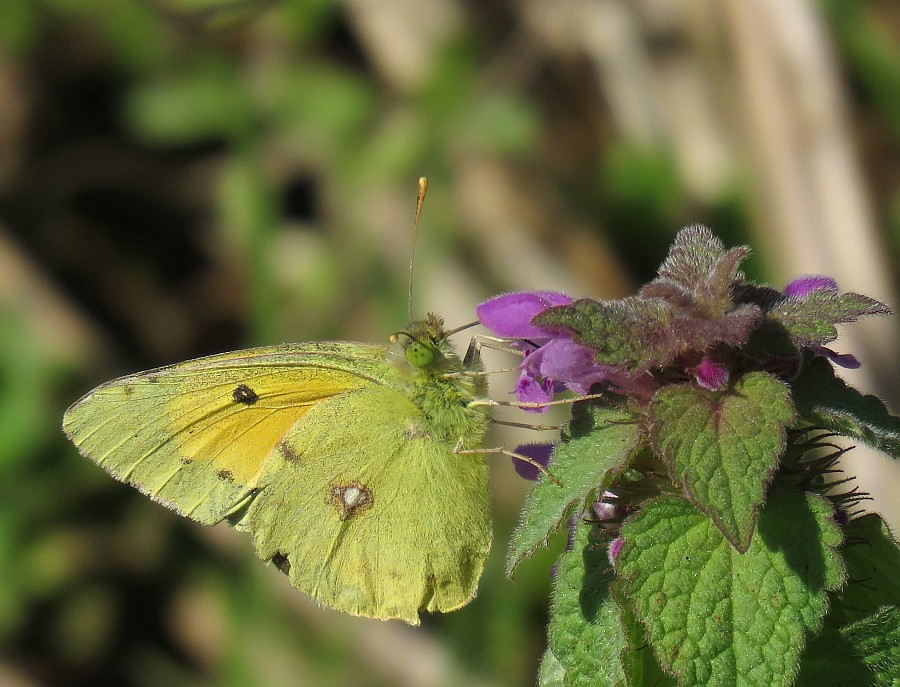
(192, 176)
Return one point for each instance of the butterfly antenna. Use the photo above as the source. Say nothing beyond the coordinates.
(420, 201)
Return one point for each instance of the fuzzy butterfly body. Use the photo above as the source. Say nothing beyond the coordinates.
(339, 459)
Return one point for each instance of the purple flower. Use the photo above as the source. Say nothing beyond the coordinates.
(541, 454)
(710, 374)
(803, 287)
(606, 508)
(615, 548)
(510, 315)
(570, 363)
(847, 360)
(553, 362)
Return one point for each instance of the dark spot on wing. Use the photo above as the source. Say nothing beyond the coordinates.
(128, 389)
(151, 376)
(244, 394)
(226, 475)
(290, 454)
(184, 459)
(280, 561)
(350, 499)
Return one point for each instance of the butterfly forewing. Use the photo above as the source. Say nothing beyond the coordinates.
(195, 435)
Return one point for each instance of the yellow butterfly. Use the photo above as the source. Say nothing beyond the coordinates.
(341, 460)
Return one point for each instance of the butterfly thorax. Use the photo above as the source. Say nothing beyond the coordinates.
(441, 386)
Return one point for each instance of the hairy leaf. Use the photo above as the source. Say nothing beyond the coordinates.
(876, 642)
(873, 568)
(642, 333)
(698, 274)
(586, 634)
(811, 320)
(716, 617)
(824, 399)
(595, 447)
(724, 446)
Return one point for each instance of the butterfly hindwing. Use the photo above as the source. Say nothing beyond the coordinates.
(380, 519)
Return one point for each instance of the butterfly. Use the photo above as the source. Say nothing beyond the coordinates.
(353, 467)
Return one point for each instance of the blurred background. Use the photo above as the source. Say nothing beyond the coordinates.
(183, 177)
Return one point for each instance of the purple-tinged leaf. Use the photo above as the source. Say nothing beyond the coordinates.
(643, 334)
(811, 320)
(723, 447)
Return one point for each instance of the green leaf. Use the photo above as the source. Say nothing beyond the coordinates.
(829, 662)
(873, 569)
(876, 642)
(551, 672)
(811, 320)
(595, 447)
(824, 399)
(585, 632)
(837, 657)
(716, 617)
(724, 446)
(640, 664)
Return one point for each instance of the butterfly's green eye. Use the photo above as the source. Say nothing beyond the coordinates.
(421, 354)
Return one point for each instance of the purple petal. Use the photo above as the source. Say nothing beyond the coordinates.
(570, 363)
(510, 315)
(573, 365)
(847, 360)
(615, 548)
(530, 390)
(539, 453)
(710, 374)
(803, 286)
(604, 511)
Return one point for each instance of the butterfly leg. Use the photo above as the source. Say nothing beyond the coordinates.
(527, 425)
(479, 341)
(491, 403)
(499, 450)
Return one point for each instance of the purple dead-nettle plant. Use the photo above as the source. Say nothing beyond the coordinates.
(553, 362)
(715, 538)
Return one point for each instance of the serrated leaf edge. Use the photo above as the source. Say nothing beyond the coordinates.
(715, 514)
